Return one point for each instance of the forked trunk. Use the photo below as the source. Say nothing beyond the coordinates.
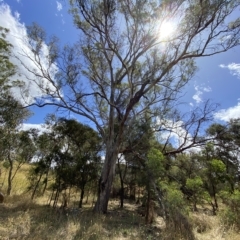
(106, 179)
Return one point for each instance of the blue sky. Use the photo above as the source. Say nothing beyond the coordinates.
(218, 77)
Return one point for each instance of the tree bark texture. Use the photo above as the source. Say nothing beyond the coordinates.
(106, 179)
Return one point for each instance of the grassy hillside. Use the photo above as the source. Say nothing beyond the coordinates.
(20, 181)
(21, 218)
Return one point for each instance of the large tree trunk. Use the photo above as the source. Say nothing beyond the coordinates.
(106, 179)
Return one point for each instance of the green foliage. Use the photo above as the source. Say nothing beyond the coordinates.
(231, 214)
(155, 163)
(194, 184)
(6, 164)
(226, 149)
(174, 197)
(177, 221)
(7, 69)
(198, 195)
(214, 173)
(73, 149)
(12, 113)
(217, 166)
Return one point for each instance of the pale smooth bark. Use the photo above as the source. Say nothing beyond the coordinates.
(106, 179)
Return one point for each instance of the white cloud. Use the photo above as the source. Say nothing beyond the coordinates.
(197, 97)
(17, 15)
(225, 38)
(229, 113)
(41, 127)
(207, 89)
(199, 92)
(19, 39)
(234, 68)
(18, 1)
(59, 6)
(175, 133)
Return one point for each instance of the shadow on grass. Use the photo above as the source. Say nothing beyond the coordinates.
(117, 224)
(23, 219)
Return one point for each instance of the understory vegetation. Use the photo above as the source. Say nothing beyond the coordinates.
(42, 218)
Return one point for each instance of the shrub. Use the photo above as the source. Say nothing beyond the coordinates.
(178, 224)
(231, 214)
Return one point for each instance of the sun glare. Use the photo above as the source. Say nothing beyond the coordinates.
(166, 30)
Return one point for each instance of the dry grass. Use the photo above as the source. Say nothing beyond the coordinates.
(208, 227)
(21, 218)
(20, 181)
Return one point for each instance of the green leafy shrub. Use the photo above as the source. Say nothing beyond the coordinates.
(231, 214)
(177, 225)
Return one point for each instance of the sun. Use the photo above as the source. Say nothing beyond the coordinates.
(166, 30)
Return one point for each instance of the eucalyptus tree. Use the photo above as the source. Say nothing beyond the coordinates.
(7, 68)
(82, 159)
(17, 148)
(226, 147)
(48, 144)
(39, 173)
(124, 63)
(137, 142)
(15, 145)
(10, 113)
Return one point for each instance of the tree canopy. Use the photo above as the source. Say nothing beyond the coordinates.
(123, 65)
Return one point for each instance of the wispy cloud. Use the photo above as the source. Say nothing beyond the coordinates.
(234, 68)
(19, 39)
(199, 92)
(59, 6)
(18, 1)
(229, 113)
